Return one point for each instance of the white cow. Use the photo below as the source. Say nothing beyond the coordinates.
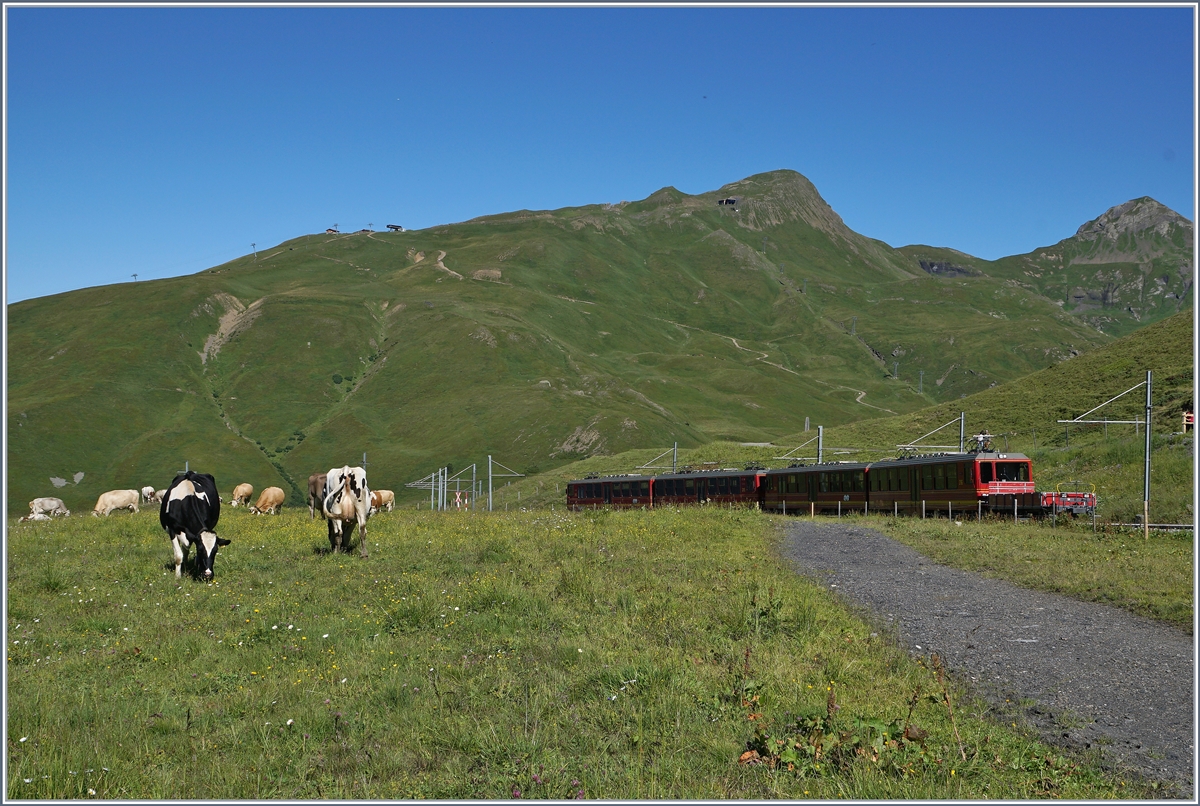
(34, 516)
(46, 506)
(116, 499)
(158, 496)
(147, 494)
(347, 498)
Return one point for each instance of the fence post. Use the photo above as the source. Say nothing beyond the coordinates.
(1014, 509)
(950, 509)
(896, 509)
(979, 510)
(922, 509)
(839, 509)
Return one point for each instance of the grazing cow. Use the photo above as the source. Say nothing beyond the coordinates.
(316, 491)
(116, 499)
(46, 506)
(147, 494)
(34, 516)
(189, 513)
(270, 501)
(158, 496)
(241, 494)
(381, 499)
(347, 498)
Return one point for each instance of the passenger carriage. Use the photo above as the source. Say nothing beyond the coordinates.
(828, 487)
(728, 487)
(949, 483)
(620, 492)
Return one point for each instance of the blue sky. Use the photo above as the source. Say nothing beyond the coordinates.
(163, 141)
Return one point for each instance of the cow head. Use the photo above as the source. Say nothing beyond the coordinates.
(206, 553)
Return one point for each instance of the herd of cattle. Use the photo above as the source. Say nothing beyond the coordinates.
(190, 507)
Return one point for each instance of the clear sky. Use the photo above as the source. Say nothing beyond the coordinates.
(163, 141)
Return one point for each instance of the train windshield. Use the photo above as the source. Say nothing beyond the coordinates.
(1012, 471)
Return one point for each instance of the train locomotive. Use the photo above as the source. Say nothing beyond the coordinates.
(941, 484)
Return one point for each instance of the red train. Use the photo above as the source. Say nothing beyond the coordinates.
(941, 483)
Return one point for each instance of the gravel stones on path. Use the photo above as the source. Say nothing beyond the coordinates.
(1097, 676)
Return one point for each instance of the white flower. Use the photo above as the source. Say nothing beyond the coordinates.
(343, 679)
(291, 722)
(23, 738)
(326, 635)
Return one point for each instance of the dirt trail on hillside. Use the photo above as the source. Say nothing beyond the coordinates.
(1098, 677)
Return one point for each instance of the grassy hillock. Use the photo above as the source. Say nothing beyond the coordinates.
(540, 337)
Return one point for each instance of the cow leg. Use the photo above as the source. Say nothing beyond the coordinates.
(362, 538)
(178, 545)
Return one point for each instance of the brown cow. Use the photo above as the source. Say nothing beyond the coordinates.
(316, 491)
(269, 502)
(241, 494)
(381, 499)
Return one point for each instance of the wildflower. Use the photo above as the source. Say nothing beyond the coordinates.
(326, 635)
(291, 722)
(516, 792)
(23, 738)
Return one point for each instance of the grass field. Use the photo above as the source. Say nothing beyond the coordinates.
(606, 655)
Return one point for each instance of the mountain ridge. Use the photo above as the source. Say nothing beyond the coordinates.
(536, 336)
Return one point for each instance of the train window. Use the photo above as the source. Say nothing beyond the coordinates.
(904, 474)
(927, 477)
(645, 489)
(733, 485)
(860, 480)
(985, 472)
(939, 477)
(1012, 471)
(689, 486)
(952, 473)
(824, 482)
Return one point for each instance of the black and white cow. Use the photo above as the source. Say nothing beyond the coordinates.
(346, 499)
(189, 513)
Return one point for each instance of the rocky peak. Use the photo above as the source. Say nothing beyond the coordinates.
(778, 197)
(1134, 216)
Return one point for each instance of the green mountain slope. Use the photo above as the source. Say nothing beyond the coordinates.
(535, 336)
(1128, 268)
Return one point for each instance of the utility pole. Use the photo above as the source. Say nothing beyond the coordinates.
(921, 383)
(853, 324)
(254, 248)
(675, 458)
(962, 432)
(1146, 497)
(820, 444)
(489, 482)
(895, 369)
(806, 425)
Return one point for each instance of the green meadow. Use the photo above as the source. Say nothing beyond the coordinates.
(601, 655)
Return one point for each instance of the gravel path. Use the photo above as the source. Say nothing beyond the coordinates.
(1098, 676)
